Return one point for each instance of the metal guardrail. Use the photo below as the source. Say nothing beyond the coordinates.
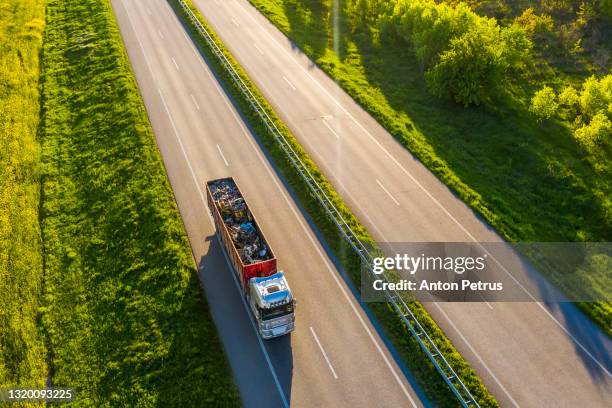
(425, 342)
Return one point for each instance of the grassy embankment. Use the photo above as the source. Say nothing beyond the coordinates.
(22, 347)
(124, 311)
(532, 182)
(430, 381)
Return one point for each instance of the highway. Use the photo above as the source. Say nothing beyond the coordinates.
(335, 357)
(529, 354)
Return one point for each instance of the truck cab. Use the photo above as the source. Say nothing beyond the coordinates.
(272, 304)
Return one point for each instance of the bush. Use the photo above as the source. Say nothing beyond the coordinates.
(596, 134)
(467, 72)
(544, 104)
(596, 95)
(535, 24)
(569, 99)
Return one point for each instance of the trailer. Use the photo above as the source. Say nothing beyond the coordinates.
(253, 262)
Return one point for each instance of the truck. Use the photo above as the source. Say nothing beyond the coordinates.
(265, 289)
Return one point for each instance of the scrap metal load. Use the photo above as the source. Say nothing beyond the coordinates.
(239, 222)
(244, 242)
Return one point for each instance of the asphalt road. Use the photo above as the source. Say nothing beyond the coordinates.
(335, 356)
(529, 354)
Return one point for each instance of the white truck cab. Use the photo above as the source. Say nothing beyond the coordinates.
(272, 304)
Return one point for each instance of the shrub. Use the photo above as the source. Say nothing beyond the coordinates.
(596, 134)
(535, 24)
(466, 72)
(569, 98)
(544, 104)
(596, 95)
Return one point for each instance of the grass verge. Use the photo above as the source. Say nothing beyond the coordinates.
(124, 311)
(433, 385)
(22, 347)
(530, 182)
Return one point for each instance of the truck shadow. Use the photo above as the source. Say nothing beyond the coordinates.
(254, 368)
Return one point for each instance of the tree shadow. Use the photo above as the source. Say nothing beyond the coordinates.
(306, 17)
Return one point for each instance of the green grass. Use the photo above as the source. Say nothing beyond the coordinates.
(531, 182)
(430, 381)
(124, 311)
(22, 347)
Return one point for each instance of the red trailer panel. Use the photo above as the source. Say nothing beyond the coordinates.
(248, 250)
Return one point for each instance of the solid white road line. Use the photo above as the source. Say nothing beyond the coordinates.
(422, 188)
(203, 200)
(324, 353)
(222, 156)
(235, 22)
(477, 355)
(308, 233)
(289, 82)
(327, 125)
(175, 64)
(195, 102)
(258, 49)
(160, 34)
(387, 191)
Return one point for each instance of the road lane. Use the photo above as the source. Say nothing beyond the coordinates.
(209, 140)
(525, 352)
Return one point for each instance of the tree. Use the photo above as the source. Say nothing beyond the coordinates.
(515, 47)
(544, 104)
(570, 100)
(535, 24)
(593, 98)
(466, 72)
(597, 133)
(479, 62)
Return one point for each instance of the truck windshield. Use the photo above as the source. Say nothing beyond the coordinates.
(278, 311)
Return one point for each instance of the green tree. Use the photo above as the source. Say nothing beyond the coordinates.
(515, 47)
(596, 134)
(570, 100)
(465, 73)
(595, 95)
(544, 103)
(533, 23)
